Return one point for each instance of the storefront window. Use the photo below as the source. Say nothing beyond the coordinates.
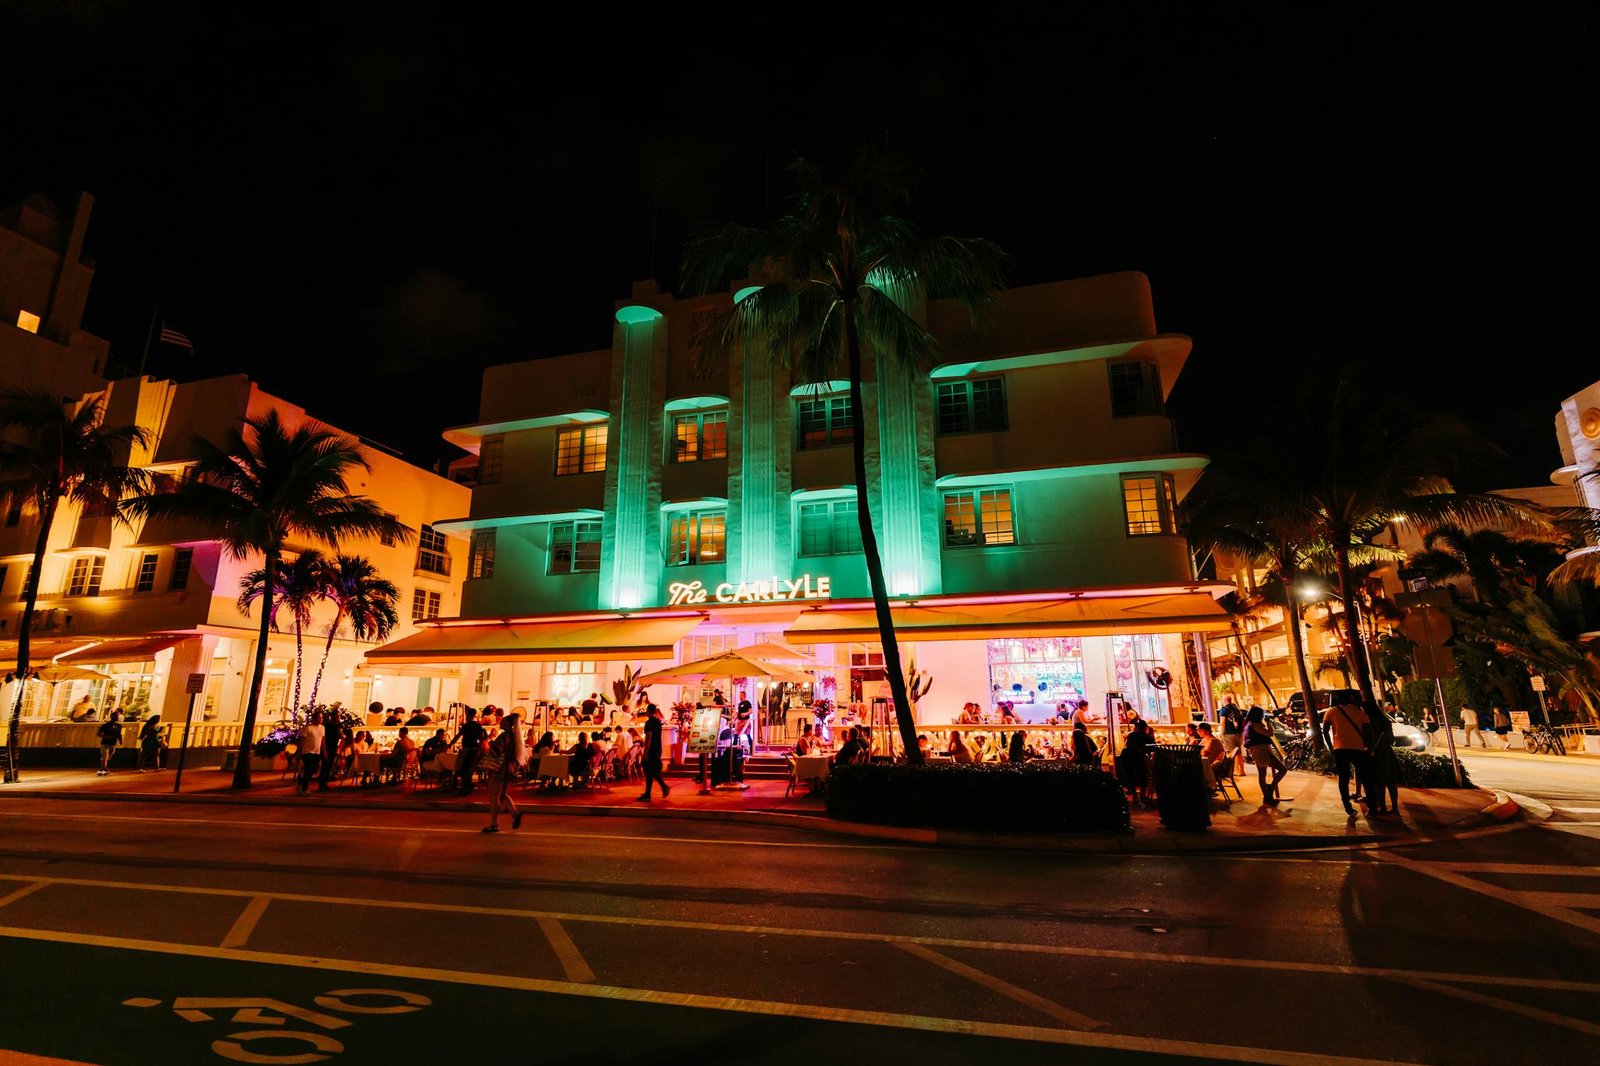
(1133, 656)
(1043, 670)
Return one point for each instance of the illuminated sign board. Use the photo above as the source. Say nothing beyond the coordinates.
(777, 590)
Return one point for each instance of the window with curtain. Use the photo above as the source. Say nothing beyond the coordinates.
(829, 527)
(696, 537)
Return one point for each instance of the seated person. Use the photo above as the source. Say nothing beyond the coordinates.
(852, 750)
(396, 716)
(579, 766)
(1085, 752)
(1131, 768)
(923, 746)
(1191, 735)
(403, 746)
(546, 745)
(959, 749)
(1211, 753)
(433, 746)
(806, 742)
(421, 716)
(362, 743)
(1007, 715)
(1018, 750)
(969, 714)
(82, 711)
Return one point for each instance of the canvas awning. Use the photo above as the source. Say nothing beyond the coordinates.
(1163, 613)
(510, 642)
(132, 650)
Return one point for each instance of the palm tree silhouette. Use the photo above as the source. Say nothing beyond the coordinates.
(361, 597)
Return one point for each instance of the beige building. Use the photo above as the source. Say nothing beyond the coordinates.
(44, 284)
(147, 605)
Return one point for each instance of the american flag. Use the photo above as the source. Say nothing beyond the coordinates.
(176, 339)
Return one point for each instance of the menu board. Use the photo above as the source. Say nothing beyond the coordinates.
(703, 730)
(1519, 719)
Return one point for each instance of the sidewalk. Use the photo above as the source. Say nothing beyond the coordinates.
(1310, 816)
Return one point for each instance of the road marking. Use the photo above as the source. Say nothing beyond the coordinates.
(885, 1019)
(1575, 810)
(1004, 988)
(1542, 901)
(589, 838)
(572, 963)
(1519, 868)
(1582, 829)
(1287, 966)
(25, 890)
(246, 923)
(1557, 908)
(1507, 1005)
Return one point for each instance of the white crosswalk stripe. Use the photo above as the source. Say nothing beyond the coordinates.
(1564, 907)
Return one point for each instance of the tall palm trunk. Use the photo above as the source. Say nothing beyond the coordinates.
(869, 547)
(47, 517)
(241, 768)
(327, 649)
(1352, 632)
(1297, 645)
(299, 666)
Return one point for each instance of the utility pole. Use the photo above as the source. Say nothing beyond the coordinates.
(1433, 659)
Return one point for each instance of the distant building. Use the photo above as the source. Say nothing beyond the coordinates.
(148, 605)
(639, 505)
(44, 285)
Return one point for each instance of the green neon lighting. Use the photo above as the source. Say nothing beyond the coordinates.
(636, 313)
(748, 290)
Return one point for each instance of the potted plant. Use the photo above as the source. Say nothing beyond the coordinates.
(682, 716)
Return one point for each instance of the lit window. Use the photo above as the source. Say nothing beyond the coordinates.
(491, 457)
(1149, 503)
(1135, 389)
(701, 435)
(972, 406)
(829, 527)
(424, 605)
(696, 537)
(433, 556)
(480, 683)
(86, 573)
(481, 563)
(581, 451)
(982, 516)
(823, 422)
(574, 547)
(28, 320)
(182, 561)
(146, 581)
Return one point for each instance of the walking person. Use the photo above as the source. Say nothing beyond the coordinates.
(1469, 726)
(150, 743)
(110, 736)
(1258, 741)
(508, 754)
(333, 730)
(1383, 781)
(1232, 729)
(1430, 723)
(312, 737)
(471, 735)
(1347, 730)
(652, 753)
(1502, 726)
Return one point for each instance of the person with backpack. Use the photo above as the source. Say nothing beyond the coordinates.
(150, 743)
(1348, 731)
(1383, 784)
(110, 736)
(1232, 727)
(471, 735)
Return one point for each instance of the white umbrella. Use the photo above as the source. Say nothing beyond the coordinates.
(778, 653)
(55, 673)
(728, 664)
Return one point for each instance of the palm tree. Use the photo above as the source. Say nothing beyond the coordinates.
(360, 596)
(1353, 468)
(839, 272)
(299, 585)
(53, 453)
(1489, 558)
(267, 487)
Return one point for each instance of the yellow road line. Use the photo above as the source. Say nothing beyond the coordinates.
(1500, 1004)
(1037, 1034)
(25, 890)
(239, 935)
(1050, 1008)
(1286, 966)
(567, 952)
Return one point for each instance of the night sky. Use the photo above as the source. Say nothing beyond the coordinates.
(364, 209)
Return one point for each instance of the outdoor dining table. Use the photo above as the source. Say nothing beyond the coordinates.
(552, 767)
(812, 768)
(445, 761)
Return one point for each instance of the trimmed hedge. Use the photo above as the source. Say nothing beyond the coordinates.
(1417, 770)
(994, 797)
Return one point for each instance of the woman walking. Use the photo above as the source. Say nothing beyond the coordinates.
(511, 753)
(1263, 751)
(150, 743)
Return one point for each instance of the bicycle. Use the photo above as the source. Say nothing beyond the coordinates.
(1542, 740)
(1297, 752)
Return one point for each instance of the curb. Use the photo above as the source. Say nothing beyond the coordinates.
(1504, 808)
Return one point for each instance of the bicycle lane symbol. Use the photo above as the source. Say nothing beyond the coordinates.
(310, 1045)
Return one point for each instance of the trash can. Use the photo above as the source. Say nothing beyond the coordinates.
(1182, 800)
(722, 767)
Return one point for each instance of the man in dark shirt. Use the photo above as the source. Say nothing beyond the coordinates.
(652, 753)
(471, 735)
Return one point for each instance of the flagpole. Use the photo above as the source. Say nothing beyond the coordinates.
(145, 355)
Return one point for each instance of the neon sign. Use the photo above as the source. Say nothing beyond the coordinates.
(804, 587)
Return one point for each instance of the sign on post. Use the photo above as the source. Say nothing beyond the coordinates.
(1537, 681)
(196, 685)
(1519, 720)
(703, 730)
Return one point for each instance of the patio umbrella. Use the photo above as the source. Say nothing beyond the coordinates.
(56, 673)
(728, 664)
(778, 653)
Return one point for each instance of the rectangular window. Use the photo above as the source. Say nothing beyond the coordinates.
(581, 451)
(981, 516)
(972, 406)
(1135, 389)
(1149, 503)
(481, 563)
(829, 527)
(86, 573)
(182, 560)
(14, 509)
(696, 537)
(700, 435)
(824, 422)
(386, 538)
(491, 457)
(28, 320)
(424, 605)
(574, 547)
(480, 683)
(433, 555)
(146, 581)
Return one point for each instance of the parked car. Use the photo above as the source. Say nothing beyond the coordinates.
(1406, 735)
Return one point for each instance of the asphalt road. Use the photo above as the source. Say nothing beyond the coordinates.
(148, 932)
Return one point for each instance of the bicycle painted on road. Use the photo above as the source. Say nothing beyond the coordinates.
(304, 1046)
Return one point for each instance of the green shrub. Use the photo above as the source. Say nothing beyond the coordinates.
(996, 797)
(1417, 770)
